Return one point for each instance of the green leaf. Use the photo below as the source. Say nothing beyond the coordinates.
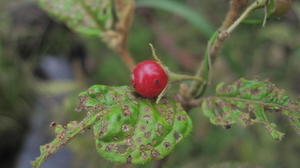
(246, 102)
(194, 18)
(127, 128)
(88, 17)
(253, 21)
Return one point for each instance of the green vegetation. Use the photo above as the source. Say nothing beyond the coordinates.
(252, 49)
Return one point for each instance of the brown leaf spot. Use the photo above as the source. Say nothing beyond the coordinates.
(143, 128)
(167, 145)
(181, 118)
(139, 140)
(125, 128)
(122, 148)
(155, 153)
(159, 133)
(147, 109)
(100, 146)
(144, 154)
(115, 138)
(90, 91)
(177, 136)
(147, 117)
(170, 121)
(147, 134)
(99, 117)
(129, 159)
(52, 124)
(47, 146)
(142, 147)
(148, 146)
(102, 132)
(126, 111)
(154, 142)
(109, 147)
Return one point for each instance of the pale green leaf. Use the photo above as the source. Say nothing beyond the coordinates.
(247, 102)
(194, 18)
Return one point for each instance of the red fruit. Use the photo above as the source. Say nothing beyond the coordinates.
(149, 79)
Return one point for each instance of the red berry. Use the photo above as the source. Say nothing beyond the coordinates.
(149, 79)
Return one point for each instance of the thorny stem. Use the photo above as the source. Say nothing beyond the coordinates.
(216, 42)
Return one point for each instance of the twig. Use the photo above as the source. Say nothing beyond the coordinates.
(117, 39)
(124, 54)
(233, 13)
(216, 42)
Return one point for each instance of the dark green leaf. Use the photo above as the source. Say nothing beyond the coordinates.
(134, 129)
(127, 128)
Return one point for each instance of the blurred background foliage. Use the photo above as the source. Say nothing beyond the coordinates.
(43, 66)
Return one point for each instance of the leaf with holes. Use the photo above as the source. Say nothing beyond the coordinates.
(246, 102)
(127, 128)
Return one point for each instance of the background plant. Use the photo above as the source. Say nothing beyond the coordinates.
(234, 65)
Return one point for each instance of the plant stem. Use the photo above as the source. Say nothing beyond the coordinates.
(233, 13)
(251, 8)
(117, 39)
(124, 54)
(174, 77)
(216, 42)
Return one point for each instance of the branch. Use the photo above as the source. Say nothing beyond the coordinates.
(235, 9)
(125, 55)
(117, 39)
(216, 42)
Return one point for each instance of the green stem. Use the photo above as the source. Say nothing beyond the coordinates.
(174, 77)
